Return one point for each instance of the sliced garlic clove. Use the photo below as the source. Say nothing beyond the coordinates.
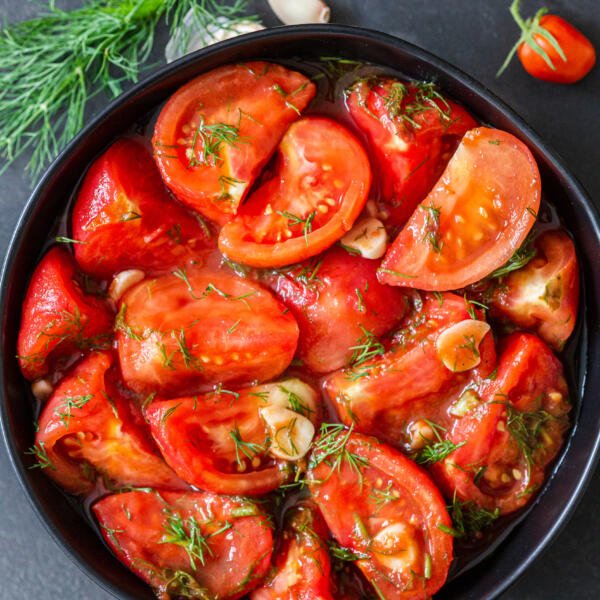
(123, 281)
(367, 236)
(42, 389)
(465, 404)
(396, 548)
(291, 434)
(292, 394)
(458, 345)
(190, 37)
(295, 12)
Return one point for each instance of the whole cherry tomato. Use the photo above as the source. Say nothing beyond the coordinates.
(550, 48)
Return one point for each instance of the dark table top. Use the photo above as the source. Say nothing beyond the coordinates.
(474, 36)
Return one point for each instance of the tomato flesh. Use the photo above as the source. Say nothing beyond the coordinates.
(124, 218)
(59, 320)
(544, 295)
(188, 545)
(335, 298)
(412, 132)
(215, 134)
(89, 429)
(381, 506)
(474, 218)
(192, 329)
(513, 433)
(317, 192)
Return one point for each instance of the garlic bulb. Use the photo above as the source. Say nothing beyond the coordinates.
(190, 37)
(294, 12)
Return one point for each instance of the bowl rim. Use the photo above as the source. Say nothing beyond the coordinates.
(331, 31)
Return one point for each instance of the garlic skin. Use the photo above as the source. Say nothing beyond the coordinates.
(189, 38)
(123, 281)
(367, 236)
(295, 12)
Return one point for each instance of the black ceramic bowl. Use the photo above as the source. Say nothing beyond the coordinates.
(527, 535)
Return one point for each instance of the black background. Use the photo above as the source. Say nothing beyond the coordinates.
(474, 35)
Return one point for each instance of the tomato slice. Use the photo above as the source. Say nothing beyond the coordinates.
(59, 320)
(544, 295)
(186, 331)
(215, 134)
(318, 190)
(474, 218)
(222, 441)
(302, 568)
(514, 431)
(386, 391)
(412, 131)
(335, 299)
(383, 508)
(188, 545)
(89, 429)
(123, 217)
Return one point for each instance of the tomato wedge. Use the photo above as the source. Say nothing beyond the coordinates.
(186, 331)
(221, 441)
(318, 190)
(335, 298)
(412, 131)
(386, 391)
(543, 295)
(59, 320)
(385, 510)
(215, 134)
(124, 218)
(474, 218)
(188, 545)
(88, 429)
(513, 432)
(302, 568)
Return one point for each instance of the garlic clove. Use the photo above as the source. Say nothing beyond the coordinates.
(42, 389)
(294, 12)
(292, 394)
(189, 37)
(465, 404)
(367, 236)
(291, 434)
(123, 281)
(458, 345)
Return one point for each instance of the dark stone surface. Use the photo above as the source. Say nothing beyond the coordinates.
(474, 36)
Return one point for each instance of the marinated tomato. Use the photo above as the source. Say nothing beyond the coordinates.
(192, 329)
(215, 134)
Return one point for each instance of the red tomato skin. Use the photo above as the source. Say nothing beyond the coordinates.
(259, 90)
(529, 378)
(182, 429)
(488, 234)
(333, 307)
(103, 434)
(58, 320)
(302, 567)
(408, 158)
(324, 175)
(409, 381)
(341, 498)
(233, 333)
(135, 525)
(125, 219)
(579, 51)
(543, 296)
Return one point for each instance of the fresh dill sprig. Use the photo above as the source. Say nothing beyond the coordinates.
(248, 449)
(468, 518)
(43, 460)
(331, 448)
(522, 256)
(367, 347)
(345, 554)
(69, 403)
(51, 66)
(306, 222)
(526, 429)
